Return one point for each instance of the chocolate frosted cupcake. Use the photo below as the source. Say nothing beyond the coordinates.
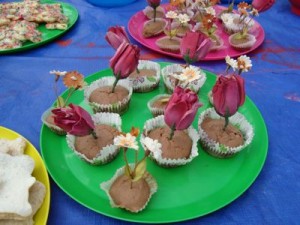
(130, 195)
(99, 96)
(224, 143)
(180, 150)
(48, 120)
(98, 150)
(232, 22)
(146, 78)
(153, 28)
(170, 81)
(158, 104)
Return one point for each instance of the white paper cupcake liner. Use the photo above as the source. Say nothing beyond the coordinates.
(156, 111)
(147, 176)
(166, 162)
(242, 46)
(175, 68)
(118, 107)
(231, 27)
(52, 127)
(143, 83)
(107, 153)
(182, 34)
(158, 32)
(148, 12)
(169, 48)
(216, 149)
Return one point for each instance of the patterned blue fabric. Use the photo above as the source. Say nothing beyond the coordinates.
(273, 84)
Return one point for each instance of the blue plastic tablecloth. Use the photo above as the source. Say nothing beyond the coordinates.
(273, 84)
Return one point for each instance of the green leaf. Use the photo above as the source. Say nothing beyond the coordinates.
(60, 102)
(127, 171)
(140, 170)
(151, 79)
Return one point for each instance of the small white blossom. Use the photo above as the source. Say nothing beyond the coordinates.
(189, 74)
(244, 63)
(210, 10)
(58, 73)
(171, 15)
(183, 18)
(231, 62)
(153, 146)
(128, 141)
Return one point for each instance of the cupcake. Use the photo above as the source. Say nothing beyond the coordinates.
(192, 77)
(180, 150)
(74, 81)
(182, 28)
(224, 143)
(232, 23)
(48, 120)
(158, 104)
(149, 12)
(100, 97)
(99, 150)
(241, 42)
(153, 28)
(146, 78)
(127, 194)
(132, 186)
(168, 44)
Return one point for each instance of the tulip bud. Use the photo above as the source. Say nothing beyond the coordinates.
(115, 36)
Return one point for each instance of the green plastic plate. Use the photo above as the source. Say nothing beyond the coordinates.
(190, 191)
(48, 35)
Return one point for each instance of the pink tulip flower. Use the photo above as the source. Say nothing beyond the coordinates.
(181, 108)
(74, 120)
(154, 3)
(194, 46)
(115, 36)
(262, 5)
(228, 94)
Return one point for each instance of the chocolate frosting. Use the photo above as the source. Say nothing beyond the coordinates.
(143, 73)
(179, 147)
(90, 147)
(128, 194)
(103, 95)
(153, 28)
(231, 136)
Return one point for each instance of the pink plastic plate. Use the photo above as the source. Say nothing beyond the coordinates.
(135, 26)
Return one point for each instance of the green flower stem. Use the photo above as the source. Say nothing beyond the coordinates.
(126, 162)
(93, 133)
(154, 14)
(56, 94)
(172, 132)
(115, 83)
(70, 92)
(226, 122)
(135, 162)
(137, 70)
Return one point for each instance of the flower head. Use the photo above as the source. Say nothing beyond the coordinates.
(126, 141)
(189, 74)
(183, 18)
(171, 15)
(73, 79)
(181, 108)
(210, 11)
(194, 46)
(231, 62)
(243, 5)
(262, 5)
(57, 72)
(74, 120)
(244, 63)
(115, 36)
(228, 94)
(125, 60)
(154, 3)
(153, 146)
